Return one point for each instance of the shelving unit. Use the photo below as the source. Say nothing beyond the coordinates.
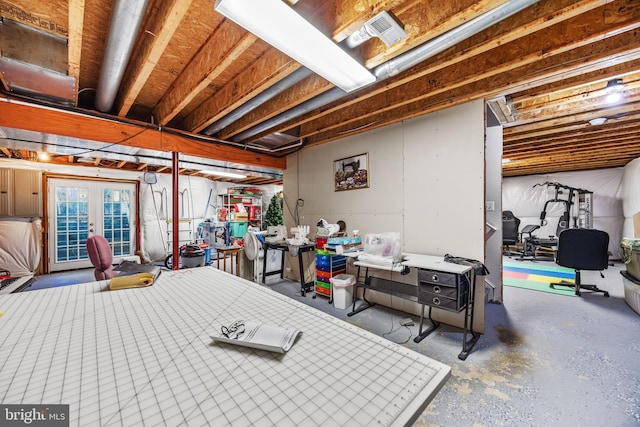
(238, 223)
(585, 210)
(251, 202)
(328, 265)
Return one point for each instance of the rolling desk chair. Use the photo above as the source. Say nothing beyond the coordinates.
(583, 249)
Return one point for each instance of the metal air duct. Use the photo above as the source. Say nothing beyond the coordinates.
(279, 87)
(126, 18)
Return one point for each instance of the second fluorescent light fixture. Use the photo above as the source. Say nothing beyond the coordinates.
(224, 174)
(280, 26)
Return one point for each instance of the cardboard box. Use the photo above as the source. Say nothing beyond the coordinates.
(241, 216)
(636, 225)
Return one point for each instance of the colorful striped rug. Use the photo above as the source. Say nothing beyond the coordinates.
(537, 277)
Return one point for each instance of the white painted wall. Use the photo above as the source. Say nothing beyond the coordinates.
(630, 195)
(153, 225)
(426, 182)
(526, 199)
(493, 158)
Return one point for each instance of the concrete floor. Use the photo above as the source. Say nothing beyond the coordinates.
(545, 359)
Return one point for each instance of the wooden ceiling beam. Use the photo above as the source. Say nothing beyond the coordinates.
(621, 125)
(315, 86)
(75, 125)
(424, 21)
(516, 27)
(489, 67)
(586, 86)
(577, 166)
(74, 41)
(473, 90)
(629, 108)
(575, 141)
(306, 89)
(212, 59)
(605, 161)
(160, 29)
(269, 69)
(590, 102)
(589, 146)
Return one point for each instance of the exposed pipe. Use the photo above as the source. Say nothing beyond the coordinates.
(175, 225)
(400, 63)
(126, 18)
(279, 87)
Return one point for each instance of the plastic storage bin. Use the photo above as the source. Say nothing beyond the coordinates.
(343, 290)
(238, 228)
(631, 291)
(630, 253)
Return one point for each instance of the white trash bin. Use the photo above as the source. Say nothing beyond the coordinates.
(342, 287)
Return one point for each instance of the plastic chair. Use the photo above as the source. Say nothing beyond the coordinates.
(583, 249)
(101, 257)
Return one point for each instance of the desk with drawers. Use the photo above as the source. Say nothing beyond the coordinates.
(443, 285)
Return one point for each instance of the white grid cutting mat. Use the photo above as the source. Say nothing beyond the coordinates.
(145, 357)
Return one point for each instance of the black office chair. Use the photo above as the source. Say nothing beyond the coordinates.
(583, 249)
(510, 233)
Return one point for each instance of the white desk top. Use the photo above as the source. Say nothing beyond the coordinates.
(433, 262)
(145, 356)
(430, 262)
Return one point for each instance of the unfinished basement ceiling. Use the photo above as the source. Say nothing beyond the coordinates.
(197, 83)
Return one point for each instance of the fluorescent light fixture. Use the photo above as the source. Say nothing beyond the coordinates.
(280, 26)
(224, 174)
(597, 121)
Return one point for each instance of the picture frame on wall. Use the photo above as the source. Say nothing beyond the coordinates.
(351, 173)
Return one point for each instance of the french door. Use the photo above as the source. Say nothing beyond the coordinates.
(79, 209)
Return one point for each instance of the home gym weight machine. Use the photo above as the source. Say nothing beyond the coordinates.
(582, 218)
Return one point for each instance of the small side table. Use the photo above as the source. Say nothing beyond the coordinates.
(232, 251)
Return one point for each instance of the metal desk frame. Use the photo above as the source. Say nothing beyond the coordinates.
(284, 247)
(410, 292)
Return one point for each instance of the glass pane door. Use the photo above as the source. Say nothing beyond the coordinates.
(71, 224)
(116, 225)
(79, 209)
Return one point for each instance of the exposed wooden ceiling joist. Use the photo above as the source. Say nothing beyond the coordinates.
(544, 69)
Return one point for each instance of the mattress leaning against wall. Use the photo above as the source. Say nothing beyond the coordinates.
(20, 244)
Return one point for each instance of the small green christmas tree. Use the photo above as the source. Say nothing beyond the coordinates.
(274, 213)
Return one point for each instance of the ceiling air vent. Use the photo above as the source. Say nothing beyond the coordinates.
(382, 26)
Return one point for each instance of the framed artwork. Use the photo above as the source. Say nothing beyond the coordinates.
(351, 173)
